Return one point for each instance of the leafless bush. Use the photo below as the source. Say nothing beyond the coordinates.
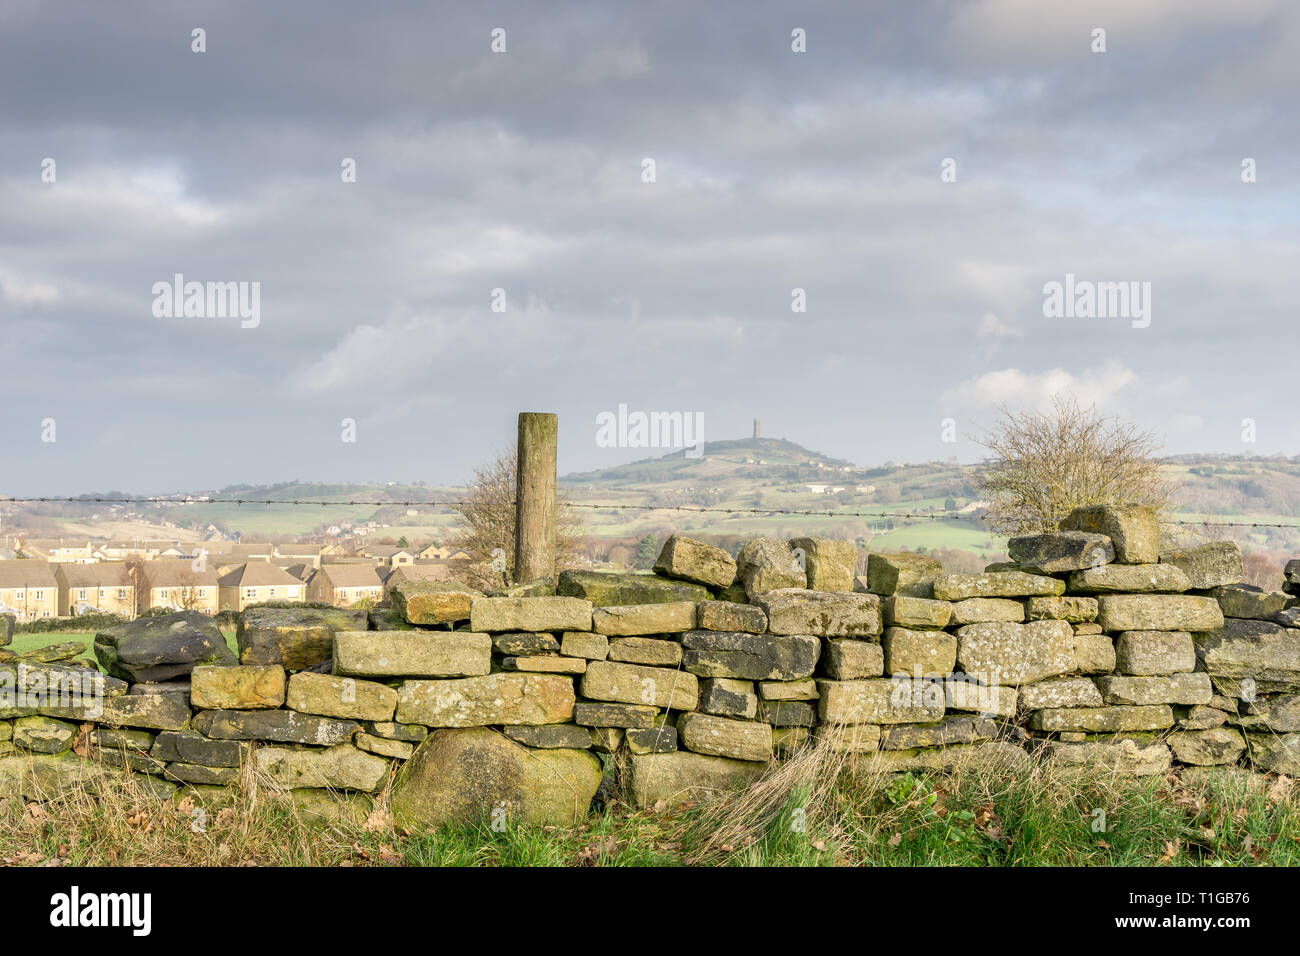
(1043, 465)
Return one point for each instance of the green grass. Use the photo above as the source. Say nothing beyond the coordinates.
(1037, 816)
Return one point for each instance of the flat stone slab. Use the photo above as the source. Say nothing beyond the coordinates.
(343, 767)
(1015, 654)
(484, 701)
(295, 638)
(1103, 719)
(852, 660)
(1183, 689)
(530, 614)
(1158, 612)
(640, 619)
(162, 647)
(820, 613)
(246, 687)
(750, 656)
(606, 589)
(637, 684)
(724, 737)
(280, 726)
(879, 701)
(432, 602)
(996, 584)
(730, 616)
(1129, 578)
(412, 654)
(329, 695)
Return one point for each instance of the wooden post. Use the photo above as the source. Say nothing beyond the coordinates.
(535, 497)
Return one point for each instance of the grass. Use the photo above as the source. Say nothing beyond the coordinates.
(814, 810)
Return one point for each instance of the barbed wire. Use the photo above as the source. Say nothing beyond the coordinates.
(794, 512)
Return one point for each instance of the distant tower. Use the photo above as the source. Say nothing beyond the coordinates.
(755, 427)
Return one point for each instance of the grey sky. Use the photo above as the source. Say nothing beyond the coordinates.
(522, 171)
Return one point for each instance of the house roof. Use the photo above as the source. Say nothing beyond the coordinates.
(172, 573)
(256, 574)
(104, 574)
(351, 575)
(28, 573)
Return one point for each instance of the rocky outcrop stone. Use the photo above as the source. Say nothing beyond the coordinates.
(902, 572)
(295, 638)
(766, 564)
(1061, 551)
(468, 776)
(830, 564)
(161, 647)
(1207, 565)
(697, 562)
(1134, 530)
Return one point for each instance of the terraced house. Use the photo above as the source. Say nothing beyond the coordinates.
(256, 583)
(104, 587)
(177, 585)
(28, 589)
(343, 585)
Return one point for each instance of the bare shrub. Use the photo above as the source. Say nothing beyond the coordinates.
(1043, 465)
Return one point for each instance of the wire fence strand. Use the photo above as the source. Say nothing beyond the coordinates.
(354, 502)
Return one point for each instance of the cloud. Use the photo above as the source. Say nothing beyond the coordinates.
(1017, 389)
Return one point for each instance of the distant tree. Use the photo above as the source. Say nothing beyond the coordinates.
(1043, 465)
(950, 503)
(647, 552)
(402, 542)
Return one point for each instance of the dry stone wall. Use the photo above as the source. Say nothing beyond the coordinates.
(1091, 648)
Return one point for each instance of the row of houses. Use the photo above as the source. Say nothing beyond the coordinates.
(34, 589)
(84, 551)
